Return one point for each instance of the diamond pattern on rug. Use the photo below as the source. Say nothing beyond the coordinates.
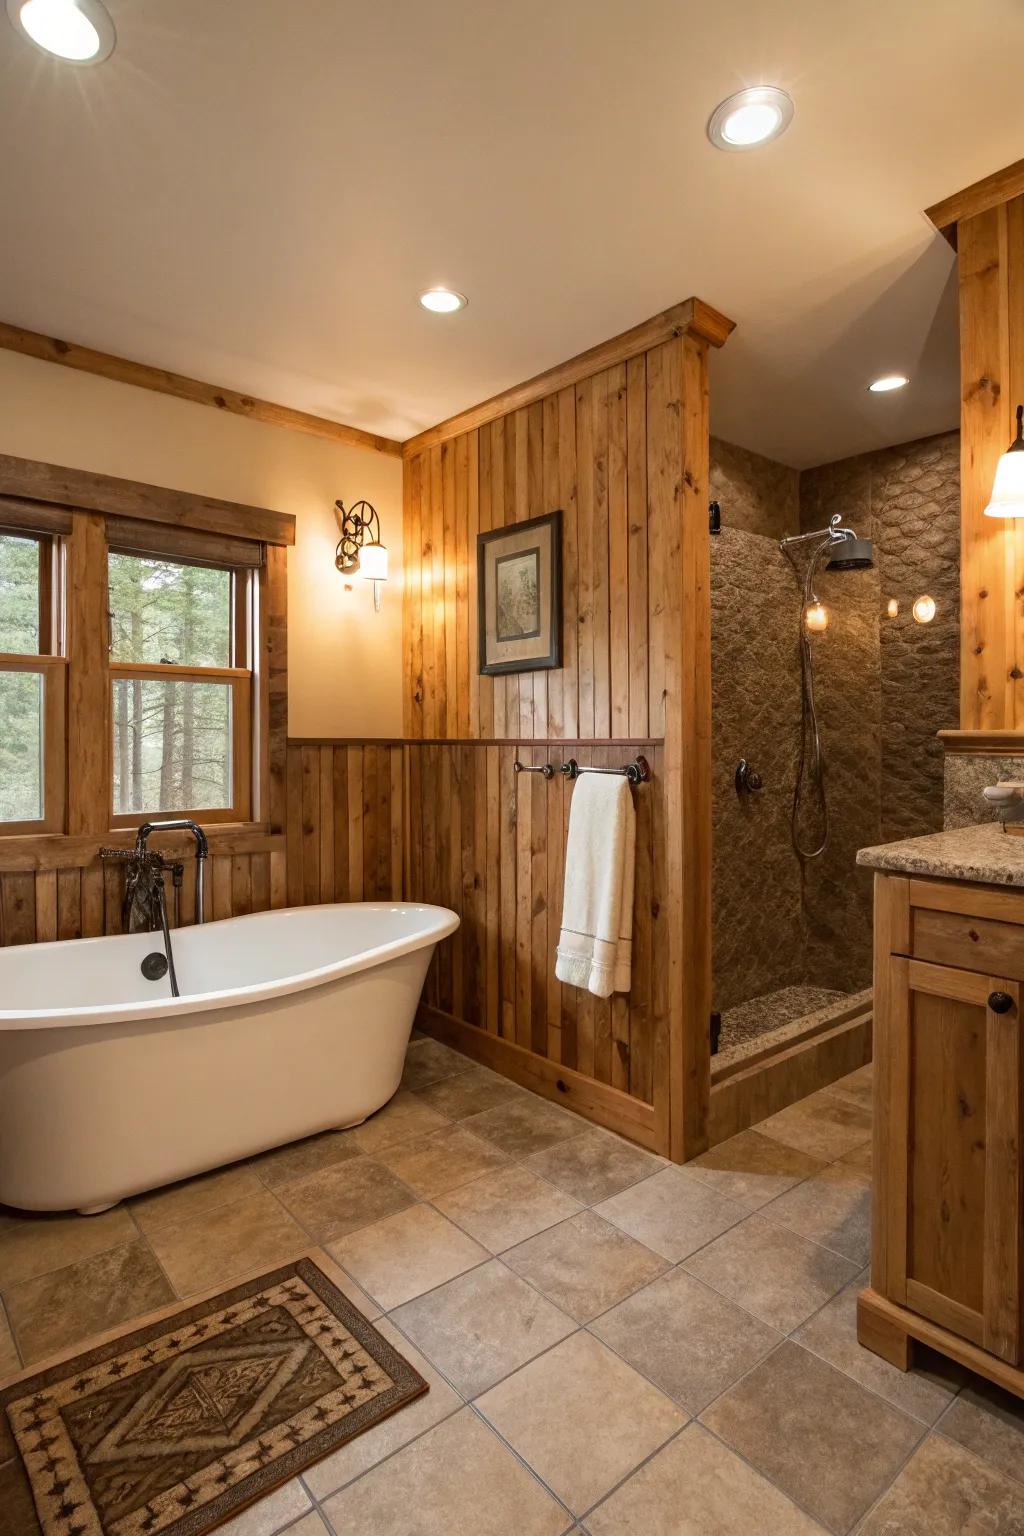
(171, 1428)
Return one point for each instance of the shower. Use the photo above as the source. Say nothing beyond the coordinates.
(845, 552)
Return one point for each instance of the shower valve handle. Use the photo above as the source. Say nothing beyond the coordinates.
(747, 781)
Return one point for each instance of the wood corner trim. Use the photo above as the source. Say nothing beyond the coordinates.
(51, 349)
(690, 318)
(976, 743)
(979, 197)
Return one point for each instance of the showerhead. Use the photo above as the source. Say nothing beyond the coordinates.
(852, 554)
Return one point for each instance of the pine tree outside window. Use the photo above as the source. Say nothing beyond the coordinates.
(32, 684)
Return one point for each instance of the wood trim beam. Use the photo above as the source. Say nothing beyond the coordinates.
(87, 491)
(50, 349)
(23, 854)
(979, 197)
(690, 318)
(979, 743)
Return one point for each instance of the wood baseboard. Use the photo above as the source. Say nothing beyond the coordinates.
(881, 1325)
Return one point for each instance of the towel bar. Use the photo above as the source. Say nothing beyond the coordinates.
(637, 772)
(545, 768)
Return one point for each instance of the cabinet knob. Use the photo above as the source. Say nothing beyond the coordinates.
(1000, 1002)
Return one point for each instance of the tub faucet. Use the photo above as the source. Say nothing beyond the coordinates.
(181, 824)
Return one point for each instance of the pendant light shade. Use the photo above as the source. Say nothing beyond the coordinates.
(1008, 486)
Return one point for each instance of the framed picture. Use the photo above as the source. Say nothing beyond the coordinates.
(519, 591)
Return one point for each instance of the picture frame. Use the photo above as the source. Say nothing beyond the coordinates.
(519, 596)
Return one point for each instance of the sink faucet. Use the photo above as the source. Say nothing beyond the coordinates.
(202, 850)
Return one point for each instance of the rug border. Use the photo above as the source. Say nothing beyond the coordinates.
(408, 1385)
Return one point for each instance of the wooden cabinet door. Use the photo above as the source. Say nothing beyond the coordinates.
(948, 1223)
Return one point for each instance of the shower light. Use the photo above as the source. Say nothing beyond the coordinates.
(443, 301)
(77, 31)
(893, 607)
(1008, 486)
(924, 609)
(750, 118)
(816, 618)
(887, 383)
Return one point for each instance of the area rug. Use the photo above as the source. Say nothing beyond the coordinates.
(170, 1429)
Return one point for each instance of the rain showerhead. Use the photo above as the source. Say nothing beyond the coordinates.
(853, 554)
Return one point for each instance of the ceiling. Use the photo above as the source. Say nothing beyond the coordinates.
(254, 192)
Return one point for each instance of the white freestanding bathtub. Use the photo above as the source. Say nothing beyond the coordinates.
(288, 1023)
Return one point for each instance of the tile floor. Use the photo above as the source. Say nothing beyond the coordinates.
(614, 1345)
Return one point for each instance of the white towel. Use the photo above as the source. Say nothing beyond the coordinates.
(595, 946)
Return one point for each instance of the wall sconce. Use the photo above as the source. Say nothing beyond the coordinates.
(924, 608)
(1008, 486)
(360, 551)
(816, 618)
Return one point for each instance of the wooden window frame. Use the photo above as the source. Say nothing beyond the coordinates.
(51, 666)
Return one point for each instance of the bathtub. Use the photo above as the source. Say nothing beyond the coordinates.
(289, 1023)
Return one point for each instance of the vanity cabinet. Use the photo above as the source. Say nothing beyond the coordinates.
(948, 1213)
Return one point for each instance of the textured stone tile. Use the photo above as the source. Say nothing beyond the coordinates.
(990, 1423)
(227, 1243)
(594, 1166)
(373, 1445)
(751, 1169)
(821, 1125)
(581, 1418)
(456, 1480)
(482, 1326)
(506, 1208)
(857, 1086)
(300, 1158)
(771, 1272)
(403, 1116)
(432, 1165)
(52, 1312)
(945, 1491)
(672, 1213)
(406, 1254)
(695, 1486)
(9, 1362)
(924, 1392)
(339, 1200)
(832, 1208)
(585, 1265)
(193, 1197)
(270, 1514)
(828, 1444)
(526, 1124)
(34, 1243)
(687, 1339)
(428, 1061)
(470, 1093)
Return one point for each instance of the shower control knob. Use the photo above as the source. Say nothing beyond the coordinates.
(1000, 1002)
(747, 781)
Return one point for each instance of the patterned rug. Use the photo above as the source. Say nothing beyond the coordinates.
(171, 1428)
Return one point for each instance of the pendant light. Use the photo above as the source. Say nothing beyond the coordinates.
(1008, 486)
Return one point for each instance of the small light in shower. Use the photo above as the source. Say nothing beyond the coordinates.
(893, 607)
(816, 618)
(924, 609)
(888, 382)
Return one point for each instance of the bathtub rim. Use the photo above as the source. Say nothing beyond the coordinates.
(444, 922)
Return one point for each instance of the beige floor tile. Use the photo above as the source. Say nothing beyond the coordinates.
(432, 1165)
(483, 1326)
(697, 1487)
(312, 1524)
(945, 1491)
(300, 1158)
(366, 1450)
(9, 1362)
(402, 1117)
(687, 1339)
(990, 1423)
(339, 1200)
(506, 1208)
(271, 1514)
(772, 1272)
(752, 1169)
(594, 1166)
(857, 1086)
(56, 1311)
(469, 1093)
(832, 1208)
(526, 1124)
(859, 1158)
(17, 1507)
(672, 1213)
(428, 1061)
(828, 1444)
(925, 1392)
(821, 1125)
(194, 1197)
(456, 1480)
(33, 1243)
(581, 1418)
(227, 1243)
(406, 1254)
(585, 1265)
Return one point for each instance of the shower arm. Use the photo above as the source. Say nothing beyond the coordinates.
(828, 538)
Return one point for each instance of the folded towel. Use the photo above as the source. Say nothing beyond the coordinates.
(595, 946)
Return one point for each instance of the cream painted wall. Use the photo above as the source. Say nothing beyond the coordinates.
(345, 661)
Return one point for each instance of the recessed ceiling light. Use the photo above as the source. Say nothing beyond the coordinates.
(887, 382)
(77, 31)
(750, 118)
(443, 301)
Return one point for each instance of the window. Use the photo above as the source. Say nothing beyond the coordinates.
(181, 687)
(32, 685)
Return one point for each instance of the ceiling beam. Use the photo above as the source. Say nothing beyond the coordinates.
(979, 197)
(50, 349)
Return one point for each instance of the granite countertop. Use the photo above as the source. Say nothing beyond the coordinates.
(985, 854)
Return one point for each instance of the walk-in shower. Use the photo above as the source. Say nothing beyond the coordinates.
(845, 551)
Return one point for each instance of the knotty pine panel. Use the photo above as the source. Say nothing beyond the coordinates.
(344, 822)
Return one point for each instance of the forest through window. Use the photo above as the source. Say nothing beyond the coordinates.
(21, 692)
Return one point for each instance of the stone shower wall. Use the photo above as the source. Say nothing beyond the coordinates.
(966, 776)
